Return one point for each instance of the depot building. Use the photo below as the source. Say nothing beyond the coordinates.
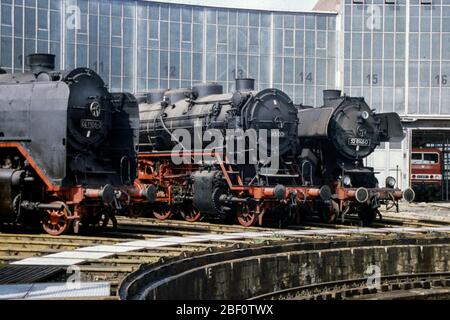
(394, 53)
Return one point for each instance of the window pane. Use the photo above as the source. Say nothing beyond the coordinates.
(430, 158)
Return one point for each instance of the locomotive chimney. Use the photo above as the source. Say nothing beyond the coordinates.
(245, 84)
(206, 89)
(329, 95)
(41, 62)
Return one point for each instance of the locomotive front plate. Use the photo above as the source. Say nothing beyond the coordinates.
(91, 124)
(358, 142)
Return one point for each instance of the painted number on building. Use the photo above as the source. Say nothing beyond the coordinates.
(305, 77)
(372, 78)
(99, 65)
(441, 79)
(238, 74)
(171, 71)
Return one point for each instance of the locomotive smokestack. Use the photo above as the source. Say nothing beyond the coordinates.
(41, 62)
(329, 95)
(245, 84)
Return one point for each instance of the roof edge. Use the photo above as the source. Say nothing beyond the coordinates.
(261, 5)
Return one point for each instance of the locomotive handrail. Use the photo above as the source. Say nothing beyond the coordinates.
(224, 101)
(310, 173)
(121, 170)
(182, 117)
(276, 175)
(15, 139)
(78, 171)
(170, 133)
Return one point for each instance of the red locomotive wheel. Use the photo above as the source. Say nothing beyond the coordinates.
(56, 222)
(163, 213)
(246, 217)
(191, 214)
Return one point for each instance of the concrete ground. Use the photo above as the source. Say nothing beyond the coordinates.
(439, 211)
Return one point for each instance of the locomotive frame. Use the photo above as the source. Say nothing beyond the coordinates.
(249, 202)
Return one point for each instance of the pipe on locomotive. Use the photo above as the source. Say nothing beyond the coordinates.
(363, 195)
(281, 192)
(108, 194)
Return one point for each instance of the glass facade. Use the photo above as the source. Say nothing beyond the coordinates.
(304, 62)
(141, 45)
(374, 53)
(26, 27)
(429, 58)
(397, 54)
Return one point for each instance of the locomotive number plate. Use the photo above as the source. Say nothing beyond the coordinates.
(91, 124)
(277, 133)
(358, 142)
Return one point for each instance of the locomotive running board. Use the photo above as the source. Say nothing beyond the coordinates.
(275, 175)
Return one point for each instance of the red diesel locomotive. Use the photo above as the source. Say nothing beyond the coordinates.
(427, 173)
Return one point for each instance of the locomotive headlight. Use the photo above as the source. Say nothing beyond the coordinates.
(346, 181)
(364, 115)
(390, 182)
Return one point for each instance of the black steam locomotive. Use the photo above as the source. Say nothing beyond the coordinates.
(68, 147)
(336, 138)
(213, 182)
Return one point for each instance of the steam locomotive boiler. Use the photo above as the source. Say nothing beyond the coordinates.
(337, 138)
(248, 181)
(68, 147)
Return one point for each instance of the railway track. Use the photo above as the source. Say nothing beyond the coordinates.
(16, 247)
(393, 287)
(112, 265)
(244, 272)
